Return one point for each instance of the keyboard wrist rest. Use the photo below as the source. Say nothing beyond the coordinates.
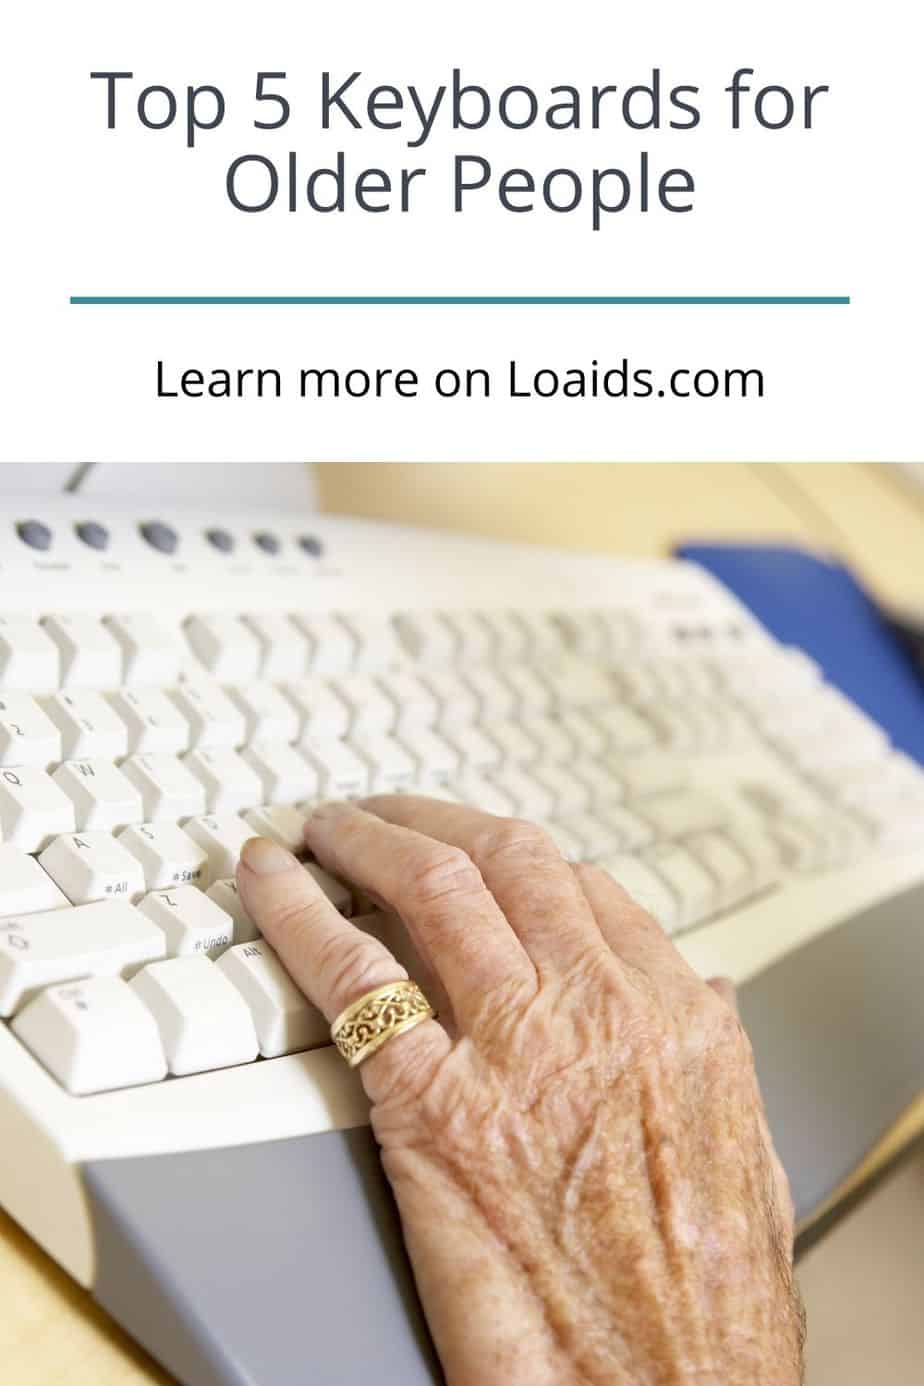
(276, 1262)
(837, 1032)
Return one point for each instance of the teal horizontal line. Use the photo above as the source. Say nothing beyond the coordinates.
(456, 300)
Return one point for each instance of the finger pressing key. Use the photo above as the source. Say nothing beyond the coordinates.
(333, 962)
(454, 921)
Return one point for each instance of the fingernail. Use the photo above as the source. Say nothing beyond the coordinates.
(265, 858)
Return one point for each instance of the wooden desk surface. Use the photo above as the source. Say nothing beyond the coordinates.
(51, 1333)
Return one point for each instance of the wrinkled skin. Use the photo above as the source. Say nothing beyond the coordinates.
(577, 1145)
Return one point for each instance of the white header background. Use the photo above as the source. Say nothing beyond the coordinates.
(834, 211)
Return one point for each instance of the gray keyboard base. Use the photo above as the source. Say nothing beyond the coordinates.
(274, 1264)
(281, 1264)
(839, 1042)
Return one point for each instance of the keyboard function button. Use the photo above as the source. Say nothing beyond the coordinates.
(220, 539)
(94, 1035)
(99, 940)
(34, 533)
(285, 1019)
(94, 535)
(160, 536)
(267, 542)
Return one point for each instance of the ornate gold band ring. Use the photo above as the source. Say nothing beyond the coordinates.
(362, 1029)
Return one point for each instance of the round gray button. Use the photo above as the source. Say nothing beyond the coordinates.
(159, 536)
(266, 541)
(311, 544)
(34, 533)
(220, 539)
(93, 534)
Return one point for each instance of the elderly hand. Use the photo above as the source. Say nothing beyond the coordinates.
(577, 1145)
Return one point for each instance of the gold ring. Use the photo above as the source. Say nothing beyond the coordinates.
(362, 1029)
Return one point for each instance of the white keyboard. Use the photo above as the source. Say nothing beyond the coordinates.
(171, 685)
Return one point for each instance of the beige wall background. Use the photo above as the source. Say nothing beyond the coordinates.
(868, 513)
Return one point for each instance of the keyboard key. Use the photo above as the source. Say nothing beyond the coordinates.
(323, 715)
(696, 890)
(93, 1035)
(90, 655)
(103, 939)
(152, 722)
(612, 828)
(230, 783)
(102, 796)
(203, 1020)
(515, 746)
(269, 716)
(284, 824)
(285, 1019)
(150, 653)
(627, 732)
(569, 794)
(168, 788)
(284, 773)
(630, 832)
(89, 726)
(568, 843)
(369, 708)
(221, 838)
(456, 704)
(574, 682)
(213, 719)
(602, 786)
(551, 737)
(331, 647)
(435, 761)
(337, 893)
(284, 650)
(531, 695)
(167, 854)
(29, 659)
(24, 887)
(474, 749)
(473, 639)
(192, 922)
(414, 706)
(586, 736)
(376, 646)
(225, 646)
(684, 811)
(93, 866)
(726, 863)
(426, 636)
(509, 635)
(654, 773)
(391, 769)
(531, 799)
(227, 897)
(342, 774)
(476, 789)
(33, 810)
(543, 636)
(27, 734)
(646, 887)
(584, 632)
(493, 697)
